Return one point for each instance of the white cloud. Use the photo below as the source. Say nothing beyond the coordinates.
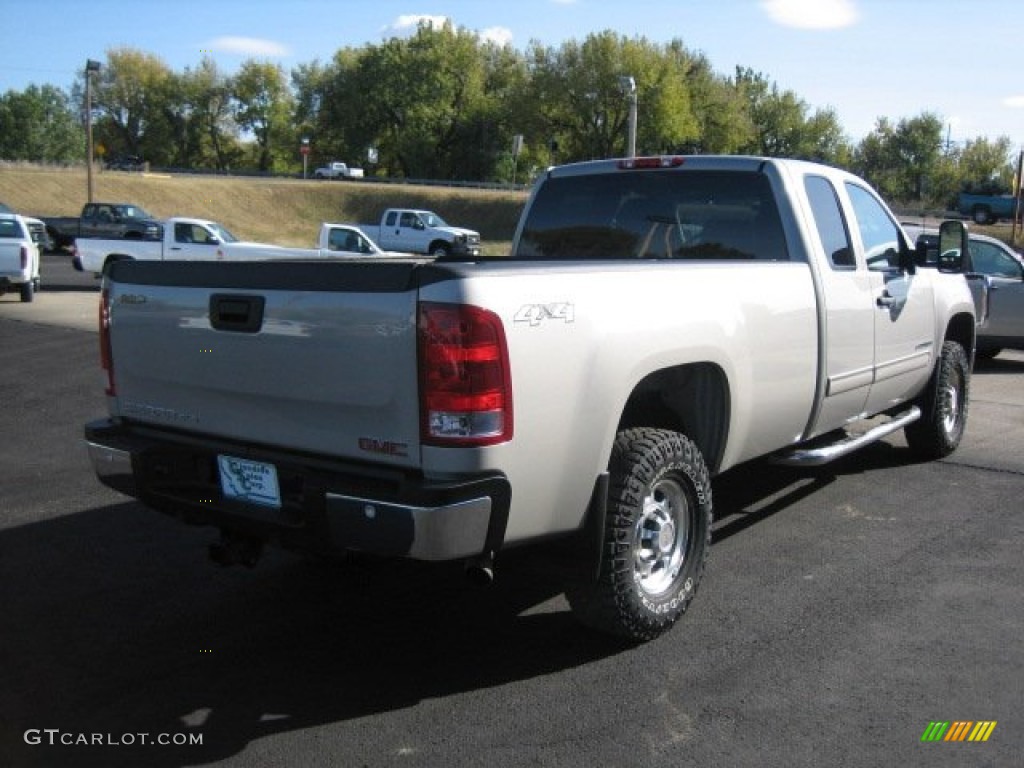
(410, 21)
(1014, 102)
(812, 14)
(498, 35)
(249, 46)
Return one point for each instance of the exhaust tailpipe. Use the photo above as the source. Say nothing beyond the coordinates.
(480, 570)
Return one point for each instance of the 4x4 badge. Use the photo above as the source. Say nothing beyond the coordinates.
(535, 314)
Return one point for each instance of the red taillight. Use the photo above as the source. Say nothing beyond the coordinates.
(465, 381)
(24, 257)
(633, 163)
(106, 359)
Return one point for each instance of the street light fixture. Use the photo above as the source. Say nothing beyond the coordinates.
(628, 86)
(90, 67)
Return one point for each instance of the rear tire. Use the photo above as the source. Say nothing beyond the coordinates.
(656, 537)
(943, 406)
(28, 291)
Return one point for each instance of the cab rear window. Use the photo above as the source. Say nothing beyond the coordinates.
(692, 215)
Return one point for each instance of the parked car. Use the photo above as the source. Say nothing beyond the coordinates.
(188, 239)
(1001, 323)
(986, 209)
(37, 229)
(126, 163)
(416, 231)
(19, 257)
(338, 171)
(117, 220)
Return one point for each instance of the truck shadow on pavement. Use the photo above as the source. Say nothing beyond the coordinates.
(750, 493)
(1001, 364)
(115, 623)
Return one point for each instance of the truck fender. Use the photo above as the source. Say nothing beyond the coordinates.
(439, 249)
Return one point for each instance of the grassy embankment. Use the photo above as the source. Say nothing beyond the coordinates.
(282, 211)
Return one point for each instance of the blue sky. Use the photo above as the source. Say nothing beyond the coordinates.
(863, 58)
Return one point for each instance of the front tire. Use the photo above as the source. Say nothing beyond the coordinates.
(656, 537)
(943, 406)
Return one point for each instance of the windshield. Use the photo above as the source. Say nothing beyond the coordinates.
(654, 215)
(134, 212)
(220, 232)
(432, 219)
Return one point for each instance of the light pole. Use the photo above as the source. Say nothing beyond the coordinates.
(90, 67)
(628, 86)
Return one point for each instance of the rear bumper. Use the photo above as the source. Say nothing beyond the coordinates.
(10, 279)
(327, 506)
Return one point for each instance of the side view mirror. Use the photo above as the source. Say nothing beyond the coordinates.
(954, 248)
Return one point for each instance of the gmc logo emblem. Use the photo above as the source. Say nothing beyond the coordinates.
(383, 447)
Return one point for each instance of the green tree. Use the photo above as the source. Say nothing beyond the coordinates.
(211, 117)
(579, 95)
(127, 95)
(784, 126)
(263, 106)
(986, 165)
(38, 125)
(723, 123)
(900, 160)
(428, 96)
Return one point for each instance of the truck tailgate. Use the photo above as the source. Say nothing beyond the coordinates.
(10, 258)
(313, 357)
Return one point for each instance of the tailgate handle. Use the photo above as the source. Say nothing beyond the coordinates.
(231, 312)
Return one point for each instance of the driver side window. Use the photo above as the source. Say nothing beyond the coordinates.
(878, 232)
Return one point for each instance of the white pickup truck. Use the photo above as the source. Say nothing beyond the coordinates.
(417, 231)
(338, 171)
(187, 239)
(19, 256)
(659, 321)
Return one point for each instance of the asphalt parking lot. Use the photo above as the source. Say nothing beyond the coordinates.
(844, 610)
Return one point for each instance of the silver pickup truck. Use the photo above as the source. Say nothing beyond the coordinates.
(658, 321)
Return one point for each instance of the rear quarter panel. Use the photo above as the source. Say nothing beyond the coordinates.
(94, 252)
(575, 364)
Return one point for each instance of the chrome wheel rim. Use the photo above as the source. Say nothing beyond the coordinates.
(953, 410)
(661, 537)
